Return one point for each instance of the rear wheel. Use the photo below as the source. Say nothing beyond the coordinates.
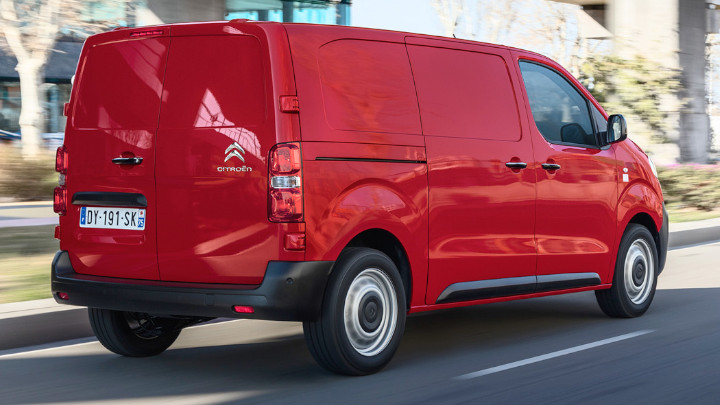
(635, 277)
(363, 314)
(133, 334)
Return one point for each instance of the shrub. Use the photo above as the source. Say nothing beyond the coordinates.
(26, 180)
(691, 186)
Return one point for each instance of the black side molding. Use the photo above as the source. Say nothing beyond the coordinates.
(372, 160)
(503, 287)
(553, 282)
(109, 199)
(475, 290)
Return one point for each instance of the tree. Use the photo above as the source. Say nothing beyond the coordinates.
(638, 86)
(30, 29)
(450, 12)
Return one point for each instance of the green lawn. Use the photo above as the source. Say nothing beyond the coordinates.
(25, 257)
(691, 215)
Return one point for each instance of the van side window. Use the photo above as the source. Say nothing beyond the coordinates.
(561, 113)
(367, 86)
(464, 94)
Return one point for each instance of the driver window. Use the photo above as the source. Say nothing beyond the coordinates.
(560, 112)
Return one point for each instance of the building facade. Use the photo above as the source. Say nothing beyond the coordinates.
(63, 61)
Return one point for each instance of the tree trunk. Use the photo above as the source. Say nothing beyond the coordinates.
(32, 120)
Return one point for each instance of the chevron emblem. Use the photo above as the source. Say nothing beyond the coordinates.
(234, 150)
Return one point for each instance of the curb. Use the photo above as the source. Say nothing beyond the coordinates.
(33, 323)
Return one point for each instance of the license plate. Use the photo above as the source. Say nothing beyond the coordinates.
(112, 218)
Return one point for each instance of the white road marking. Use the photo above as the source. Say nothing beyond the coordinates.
(552, 355)
(35, 349)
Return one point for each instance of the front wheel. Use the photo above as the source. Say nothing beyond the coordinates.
(363, 314)
(133, 334)
(635, 278)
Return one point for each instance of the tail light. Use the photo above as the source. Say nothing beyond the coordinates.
(60, 200)
(60, 193)
(61, 160)
(285, 199)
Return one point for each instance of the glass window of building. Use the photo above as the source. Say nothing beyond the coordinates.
(312, 11)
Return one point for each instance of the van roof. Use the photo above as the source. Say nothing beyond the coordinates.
(188, 28)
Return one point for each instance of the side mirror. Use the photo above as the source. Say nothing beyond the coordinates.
(616, 128)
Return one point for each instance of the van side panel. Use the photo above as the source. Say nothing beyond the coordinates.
(349, 190)
(638, 195)
(363, 149)
(379, 59)
(482, 212)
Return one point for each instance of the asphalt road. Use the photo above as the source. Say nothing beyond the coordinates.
(548, 350)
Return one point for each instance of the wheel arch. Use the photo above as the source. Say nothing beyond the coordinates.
(389, 244)
(641, 204)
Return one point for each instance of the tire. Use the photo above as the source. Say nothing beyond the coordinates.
(133, 334)
(363, 314)
(635, 277)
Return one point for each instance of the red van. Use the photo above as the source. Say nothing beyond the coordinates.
(342, 177)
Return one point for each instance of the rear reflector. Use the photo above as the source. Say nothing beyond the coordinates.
(295, 241)
(60, 200)
(63, 296)
(243, 309)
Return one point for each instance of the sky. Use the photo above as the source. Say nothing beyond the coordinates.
(416, 16)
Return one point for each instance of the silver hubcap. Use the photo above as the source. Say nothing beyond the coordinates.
(370, 313)
(639, 271)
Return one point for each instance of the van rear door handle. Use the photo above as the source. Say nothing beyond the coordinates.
(516, 165)
(128, 161)
(550, 166)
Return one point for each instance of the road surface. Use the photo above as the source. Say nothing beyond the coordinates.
(547, 350)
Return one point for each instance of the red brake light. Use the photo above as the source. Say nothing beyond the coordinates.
(146, 33)
(285, 199)
(61, 160)
(60, 200)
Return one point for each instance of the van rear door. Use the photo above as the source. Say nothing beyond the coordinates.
(110, 226)
(216, 129)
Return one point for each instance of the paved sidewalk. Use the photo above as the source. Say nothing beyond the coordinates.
(27, 214)
(684, 226)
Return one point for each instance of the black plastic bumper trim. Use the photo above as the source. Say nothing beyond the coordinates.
(290, 291)
(109, 199)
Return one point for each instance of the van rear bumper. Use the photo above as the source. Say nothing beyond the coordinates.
(290, 291)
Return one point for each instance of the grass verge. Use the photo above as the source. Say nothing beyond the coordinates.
(686, 215)
(25, 257)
